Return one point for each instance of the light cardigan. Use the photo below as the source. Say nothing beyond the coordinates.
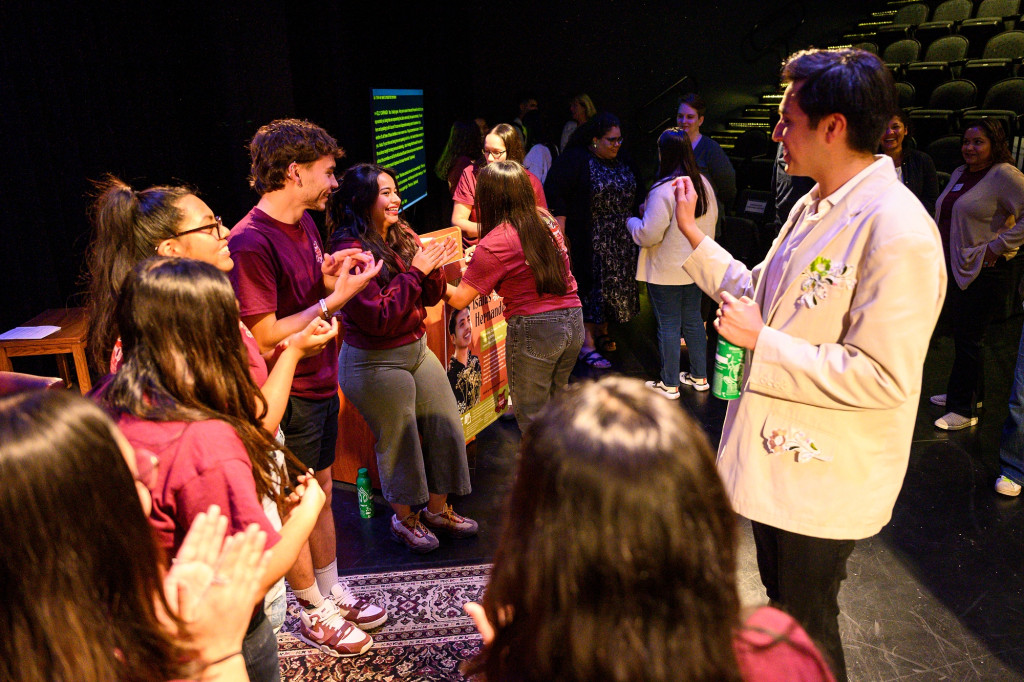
(663, 248)
(990, 213)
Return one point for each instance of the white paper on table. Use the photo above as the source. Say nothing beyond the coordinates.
(26, 333)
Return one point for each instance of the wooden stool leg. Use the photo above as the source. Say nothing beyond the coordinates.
(63, 369)
(82, 369)
(5, 362)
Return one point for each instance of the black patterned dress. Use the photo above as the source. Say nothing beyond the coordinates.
(614, 295)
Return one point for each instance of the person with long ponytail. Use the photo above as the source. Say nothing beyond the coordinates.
(522, 255)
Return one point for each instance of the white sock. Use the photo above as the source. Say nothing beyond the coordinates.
(309, 598)
(326, 577)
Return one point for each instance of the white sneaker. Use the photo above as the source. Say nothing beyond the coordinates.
(690, 380)
(357, 610)
(951, 421)
(940, 400)
(1008, 487)
(325, 629)
(670, 392)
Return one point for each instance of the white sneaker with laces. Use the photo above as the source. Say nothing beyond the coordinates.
(690, 380)
(670, 392)
(327, 630)
(357, 610)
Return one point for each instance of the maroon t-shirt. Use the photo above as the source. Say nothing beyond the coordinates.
(277, 270)
(465, 191)
(499, 264)
(394, 314)
(772, 647)
(201, 463)
(455, 172)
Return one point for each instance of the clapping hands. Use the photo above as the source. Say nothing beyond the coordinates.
(213, 583)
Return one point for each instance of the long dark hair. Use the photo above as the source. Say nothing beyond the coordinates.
(184, 359)
(617, 523)
(79, 568)
(128, 226)
(677, 159)
(349, 217)
(464, 139)
(504, 195)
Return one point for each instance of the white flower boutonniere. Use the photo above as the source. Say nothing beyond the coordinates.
(820, 275)
(803, 448)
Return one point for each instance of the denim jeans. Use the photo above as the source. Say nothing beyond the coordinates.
(540, 352)
(259, 650)
(1011, 445)
(677, 308)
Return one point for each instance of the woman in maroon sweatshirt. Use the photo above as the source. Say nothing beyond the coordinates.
(385, 368)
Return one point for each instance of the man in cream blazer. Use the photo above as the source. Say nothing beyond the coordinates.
(836, 323)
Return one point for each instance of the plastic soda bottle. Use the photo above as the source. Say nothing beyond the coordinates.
(365, 493)
(725, 383)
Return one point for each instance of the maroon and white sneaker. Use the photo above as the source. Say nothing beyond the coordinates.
(448, 521)
(326, 629)
(357, 610)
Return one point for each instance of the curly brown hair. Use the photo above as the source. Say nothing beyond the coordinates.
(280, 143)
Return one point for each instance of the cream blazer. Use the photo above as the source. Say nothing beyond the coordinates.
(663, 248)
(818, 441)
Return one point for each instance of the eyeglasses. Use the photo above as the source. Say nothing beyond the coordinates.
(213, 229)
(148, 466)
(614, 141)
(488, 153)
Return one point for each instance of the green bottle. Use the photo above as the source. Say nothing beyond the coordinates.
(365, 492)
(725, 383)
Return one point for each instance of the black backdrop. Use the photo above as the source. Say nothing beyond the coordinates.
(161, 92)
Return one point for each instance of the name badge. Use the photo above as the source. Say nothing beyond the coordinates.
(957, 187)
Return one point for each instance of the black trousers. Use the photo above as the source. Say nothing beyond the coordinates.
(968, 312)
(802, 576)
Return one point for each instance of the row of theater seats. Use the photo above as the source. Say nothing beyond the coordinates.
(921, 21)
(946, 58)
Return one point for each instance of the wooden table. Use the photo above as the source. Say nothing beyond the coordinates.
(70, 338)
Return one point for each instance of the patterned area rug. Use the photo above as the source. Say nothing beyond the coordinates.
(427, 635)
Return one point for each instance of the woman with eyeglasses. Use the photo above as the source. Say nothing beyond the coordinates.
(593, 191)
(131, 225)
(172, 221)
(83, 591)
(502, 143)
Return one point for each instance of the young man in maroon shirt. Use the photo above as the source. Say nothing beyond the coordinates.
(283, 280)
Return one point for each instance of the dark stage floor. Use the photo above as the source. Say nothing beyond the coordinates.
(937, 595)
